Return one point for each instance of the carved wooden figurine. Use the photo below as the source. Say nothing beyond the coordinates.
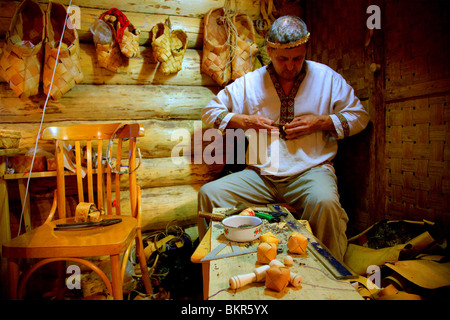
(258, 275)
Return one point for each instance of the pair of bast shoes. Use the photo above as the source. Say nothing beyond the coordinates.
(122, 42)
(229, 45)
(31, 49)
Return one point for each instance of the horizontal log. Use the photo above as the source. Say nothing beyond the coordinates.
(185, 15)
(141, 70)
(163, 172)
(159, 141)
(166, 205)
(109, 103)
(186, 8)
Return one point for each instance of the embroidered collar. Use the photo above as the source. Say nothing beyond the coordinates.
(287, 100)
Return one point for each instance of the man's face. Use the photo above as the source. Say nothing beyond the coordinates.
(288, 62)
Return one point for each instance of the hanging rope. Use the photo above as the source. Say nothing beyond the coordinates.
(232, 32)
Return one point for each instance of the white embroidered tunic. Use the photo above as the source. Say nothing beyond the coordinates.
(322, 92)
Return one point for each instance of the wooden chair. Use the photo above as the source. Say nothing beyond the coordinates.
(103, 182)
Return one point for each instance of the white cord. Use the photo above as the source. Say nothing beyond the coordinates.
(42, 119)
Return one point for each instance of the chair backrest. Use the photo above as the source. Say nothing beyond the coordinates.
(103, 153)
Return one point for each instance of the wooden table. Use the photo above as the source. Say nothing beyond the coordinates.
(318, 283)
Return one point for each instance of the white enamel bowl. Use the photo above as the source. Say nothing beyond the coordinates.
(242, 228)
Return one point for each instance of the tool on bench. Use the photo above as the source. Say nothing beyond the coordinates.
(79, 225)
(269, 217)
(220, 216)
(236, 251)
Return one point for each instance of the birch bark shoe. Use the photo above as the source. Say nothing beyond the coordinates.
(216, 47)
(21, 58)
(178, 44)
(161, 42)
(129, 46)
(107, 48)
(246, 49)
(68, 69)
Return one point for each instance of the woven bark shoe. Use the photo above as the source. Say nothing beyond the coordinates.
(178, 44)
(246, 50)
(68, 69)
(216, 48)
(21, 58)
(129, 46)
(161, 42)
(108, 51)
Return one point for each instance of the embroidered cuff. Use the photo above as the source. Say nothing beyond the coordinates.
(219, 119)
(341, 132)
(345, 125)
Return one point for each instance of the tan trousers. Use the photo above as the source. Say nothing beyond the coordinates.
(313, 194)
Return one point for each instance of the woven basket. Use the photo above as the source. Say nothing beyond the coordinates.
(68, 70)
(161, 42)
(246, 50)
(178, 44)
(216, 48)
(21, 59)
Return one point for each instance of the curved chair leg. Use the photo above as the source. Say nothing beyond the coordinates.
(41, 263)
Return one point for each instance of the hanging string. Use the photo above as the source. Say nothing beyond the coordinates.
(230, 28)
(42, 119)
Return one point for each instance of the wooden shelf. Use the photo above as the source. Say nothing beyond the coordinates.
(9, 152)
(42, 174)
(24, 175)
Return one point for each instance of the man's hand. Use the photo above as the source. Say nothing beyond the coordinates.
(257, 122)
(307, 124)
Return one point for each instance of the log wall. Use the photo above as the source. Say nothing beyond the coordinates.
(142, 93)
(397, 168)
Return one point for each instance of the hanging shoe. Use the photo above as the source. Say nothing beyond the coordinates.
(246, 50)
(107, 48)
(216, 47)
(161, 42)
(126, 34)
(68, 69)
(129, 45)
(178, 44)
(21, 59)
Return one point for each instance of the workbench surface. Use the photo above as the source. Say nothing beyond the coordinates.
(318, 283)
